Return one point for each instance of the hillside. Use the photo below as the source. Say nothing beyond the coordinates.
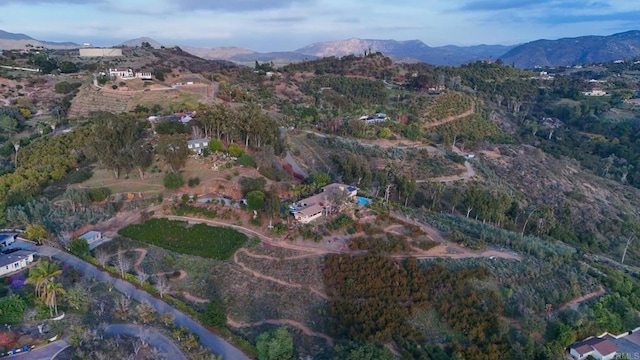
(572, 51)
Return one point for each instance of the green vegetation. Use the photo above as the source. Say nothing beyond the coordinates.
(173, 180)
(13, 308)
(79, 247)
(275, 345)
(178, 236)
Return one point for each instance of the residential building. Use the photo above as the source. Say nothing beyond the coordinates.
(91, 236)
(595, 93)
(600, 348)
(314, 207)
(197, 145)
(7, 239)
(126, 74)
(15, 261)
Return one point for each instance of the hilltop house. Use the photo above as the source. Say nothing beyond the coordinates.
(314, 207)
(197, 145)
(126, 74)
(15, 261)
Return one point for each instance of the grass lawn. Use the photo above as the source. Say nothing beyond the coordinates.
(201, 240)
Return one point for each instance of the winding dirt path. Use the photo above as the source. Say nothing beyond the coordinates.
(304, 328)
(452, 117)
(575, 302)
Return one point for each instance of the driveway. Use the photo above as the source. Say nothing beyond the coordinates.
(217, 344)
(46, 352)
(154, 339)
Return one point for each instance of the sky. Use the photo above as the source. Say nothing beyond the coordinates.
(285, 25)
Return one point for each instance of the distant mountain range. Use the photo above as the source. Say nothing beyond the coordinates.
(561, 52)
(577, 50)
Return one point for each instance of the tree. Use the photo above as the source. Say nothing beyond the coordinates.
(174, 150)
(50, 296)
(256, 200)
(113, 140)
(385, 133)
(141, 157)
(319, 179)
(145, 312)
(215, 145)
(102, 257)
(123, 263)
(41, 275)
(275, 345)
(36, 232)
(162, 285)
(79, 247)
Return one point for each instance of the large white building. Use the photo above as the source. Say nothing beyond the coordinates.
(15, 261)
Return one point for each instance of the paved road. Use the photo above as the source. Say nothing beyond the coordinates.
(155, 339)
(42, 353)
(217, 344)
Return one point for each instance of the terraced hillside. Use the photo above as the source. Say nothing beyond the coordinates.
(91, 99)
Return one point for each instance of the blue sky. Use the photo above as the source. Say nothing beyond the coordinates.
(279, 25)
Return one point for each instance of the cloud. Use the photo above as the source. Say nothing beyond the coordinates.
(497, 5)
(41, 2)
(627, 16)
(283, 19)
(237, 5)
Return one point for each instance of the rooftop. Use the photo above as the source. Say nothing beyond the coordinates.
(7, 259)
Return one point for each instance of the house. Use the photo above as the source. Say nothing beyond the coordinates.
(600, 348)
(314, 207)
(7, 239)
(595, 93)
(91, 236)
(15, 261)
(197, 145)
(126, 74)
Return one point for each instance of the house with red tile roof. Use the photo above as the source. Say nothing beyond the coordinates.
(600, 348)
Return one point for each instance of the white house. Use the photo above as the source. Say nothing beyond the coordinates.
(313, 207)
(600, 348)
(126, 74)
(197, 145)
(15, 261)
(91, 236)
(7, 239)
(595, 92)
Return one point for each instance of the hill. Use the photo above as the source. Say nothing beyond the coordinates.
(10, 41)
(138, 42)
(577, 50)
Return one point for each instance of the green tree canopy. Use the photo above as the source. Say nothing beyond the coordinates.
(275, 345)
(255, 200)
(235, 150)
(79, 247)
(216, 145)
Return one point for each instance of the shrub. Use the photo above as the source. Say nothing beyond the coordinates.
(235, 150)
(13, 308)
(169, 127)
(250, 184)
(184, 209)
(99, 194)
(79, 176)
(193, 182)
(79, 247)
(173, 180)
(246, 160)
(178, 236)
(214, 315)
(215, 145)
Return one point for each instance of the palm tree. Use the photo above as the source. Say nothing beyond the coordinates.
(42, 274)
(50, 296)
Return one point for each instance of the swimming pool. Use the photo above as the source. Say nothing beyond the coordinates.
(362, 200)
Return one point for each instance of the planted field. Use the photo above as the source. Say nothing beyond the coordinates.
(178, 236)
